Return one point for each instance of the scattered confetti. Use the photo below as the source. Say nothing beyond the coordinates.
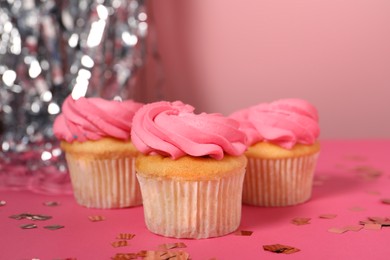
(30, 216)
(28, 226)
(337, 230)
(356, 208)
(53, 227)
(300, 221)
(243, 233)
(368, 172)
(327, 216)
(354, 228)
(51, 203)
(96, 218)
(171, 246)
(125, 236)
(2, 203)
(39, 217)
(386, 201)
(165, 255)
(278, 248)
(376, 220)
(125, 256)
(372, 226)
(119, 243)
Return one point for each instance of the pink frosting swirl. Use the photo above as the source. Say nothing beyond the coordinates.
(93, 118)
(284, 122)
(172, 129)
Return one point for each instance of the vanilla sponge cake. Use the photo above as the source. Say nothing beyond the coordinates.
(95, 136)
(283, 148)
(190, 172)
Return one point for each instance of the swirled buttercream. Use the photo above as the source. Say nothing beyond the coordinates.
(173, 129)
(284, 122)
(93, 118)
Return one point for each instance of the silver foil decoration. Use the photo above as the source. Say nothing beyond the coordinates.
(49, 49)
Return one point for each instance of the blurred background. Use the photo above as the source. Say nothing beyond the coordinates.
(225, 55)
(219, 56)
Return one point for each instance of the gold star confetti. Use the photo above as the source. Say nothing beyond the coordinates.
(171, 246)
(243, 233)
(300, 221)
(165, 255)
(327, 216)
(96, 218)
(341, 230)
(119, 243)
(280, 249)
(354, 228)
(337, 230)
(125, 256)
(383, 221)
(125, 236)
(372, 226)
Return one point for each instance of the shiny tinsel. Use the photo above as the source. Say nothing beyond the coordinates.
(49, 48)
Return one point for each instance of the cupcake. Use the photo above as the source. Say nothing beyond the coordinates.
(95, 136)
(283, 148)
(191, 170)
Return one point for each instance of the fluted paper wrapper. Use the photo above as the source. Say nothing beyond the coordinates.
(192, 209)
(109, 183)
(279, 182)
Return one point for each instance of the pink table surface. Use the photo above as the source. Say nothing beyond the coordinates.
(351, 180)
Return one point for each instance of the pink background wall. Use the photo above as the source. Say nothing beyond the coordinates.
(222, 55)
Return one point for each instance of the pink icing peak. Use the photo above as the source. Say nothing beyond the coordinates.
(284, 122)
(93, 118)
(172, 129)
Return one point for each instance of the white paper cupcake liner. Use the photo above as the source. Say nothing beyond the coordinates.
(192, 209)
(279, 182)
(104, 183)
